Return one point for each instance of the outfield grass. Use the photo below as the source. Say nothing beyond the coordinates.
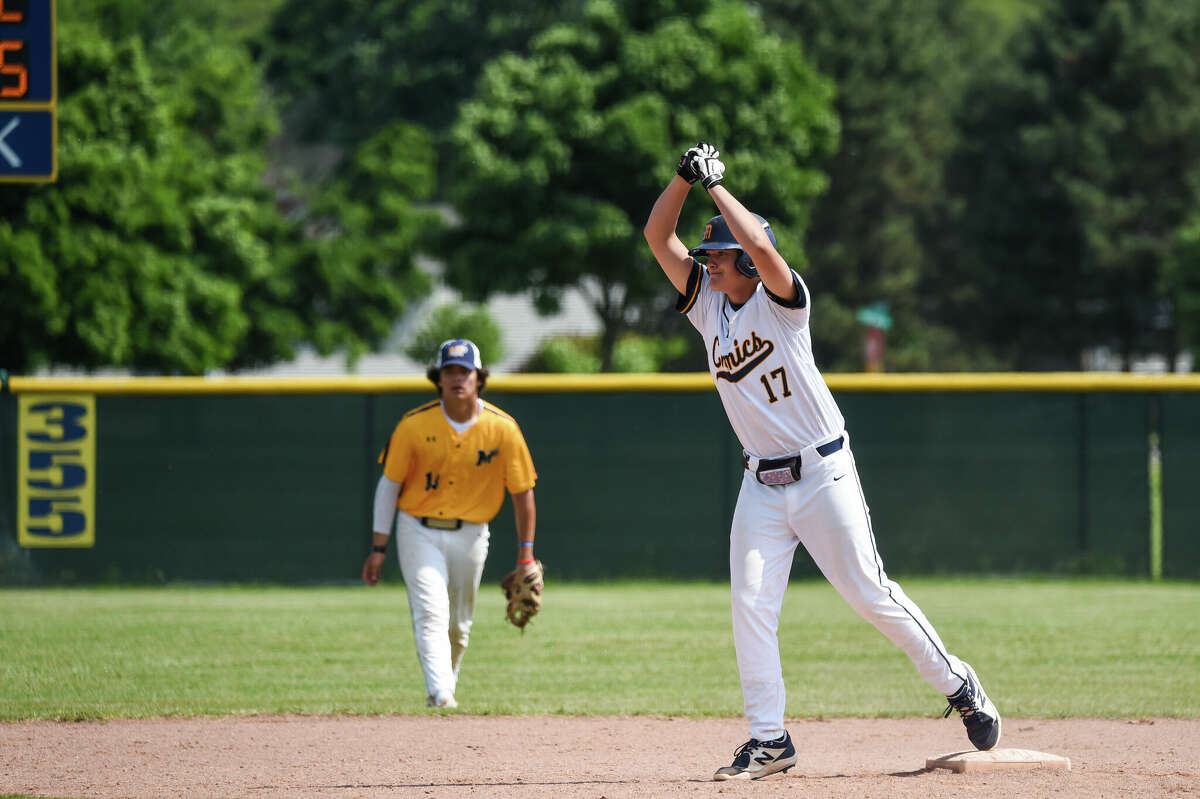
(1043, 648)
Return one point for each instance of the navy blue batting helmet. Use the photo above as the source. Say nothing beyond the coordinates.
(718, 236)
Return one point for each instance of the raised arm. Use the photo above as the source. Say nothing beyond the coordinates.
(772, 268)
(669, 251)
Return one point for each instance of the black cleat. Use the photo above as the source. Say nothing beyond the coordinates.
(757, 759)
(979, 715)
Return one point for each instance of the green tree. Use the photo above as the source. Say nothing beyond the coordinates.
(633, 352)
(101, 267)
(349, 67)
(565, 355)
(1001, 18)
(899, 66)
(1079, 164)
(355, 272)
(560, 153)
(460, 320)
(152, 19)
(160, 247)
(1181, 286)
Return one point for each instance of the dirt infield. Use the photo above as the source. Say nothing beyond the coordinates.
(553, 756)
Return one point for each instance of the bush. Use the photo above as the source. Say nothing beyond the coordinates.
(566, 355)
(633, 353)
(461, 320)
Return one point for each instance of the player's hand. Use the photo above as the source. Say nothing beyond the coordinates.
(373, 567)
(687, 162)
(708, 167)
(685, 169)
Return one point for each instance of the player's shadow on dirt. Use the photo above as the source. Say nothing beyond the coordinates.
(488, 784)
(915, 773)
(393, 785)
(774, 778)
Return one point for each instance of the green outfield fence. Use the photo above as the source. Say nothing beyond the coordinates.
(271, 479)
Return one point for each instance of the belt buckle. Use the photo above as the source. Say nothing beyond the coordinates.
(777, 477)
(441, 524)
(781, 472)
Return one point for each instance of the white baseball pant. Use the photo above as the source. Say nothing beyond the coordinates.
(442, 570)
(826, 512)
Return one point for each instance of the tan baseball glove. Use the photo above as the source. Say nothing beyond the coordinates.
(523, 589)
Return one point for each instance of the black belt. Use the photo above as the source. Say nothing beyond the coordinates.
(440, 524)
(783, 468)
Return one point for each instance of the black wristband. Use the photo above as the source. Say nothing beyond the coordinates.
(380, 549)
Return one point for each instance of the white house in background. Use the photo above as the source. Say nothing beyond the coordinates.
(1104, 359)
(521, 327)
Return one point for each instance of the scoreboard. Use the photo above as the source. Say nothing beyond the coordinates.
(28, 92)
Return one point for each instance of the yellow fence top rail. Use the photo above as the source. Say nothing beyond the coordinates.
(543, 383)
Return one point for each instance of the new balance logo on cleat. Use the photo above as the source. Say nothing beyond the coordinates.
(757, 759)
(979, 715)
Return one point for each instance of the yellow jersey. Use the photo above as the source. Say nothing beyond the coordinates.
(446, 474)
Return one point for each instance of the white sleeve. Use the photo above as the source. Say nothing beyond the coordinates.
(796, 311)
(386, 492)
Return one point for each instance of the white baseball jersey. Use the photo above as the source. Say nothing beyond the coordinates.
(760, 357)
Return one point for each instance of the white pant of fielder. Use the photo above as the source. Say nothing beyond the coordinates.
(442, 570)
(826, 512)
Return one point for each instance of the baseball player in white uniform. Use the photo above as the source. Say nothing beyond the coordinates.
(800, 484)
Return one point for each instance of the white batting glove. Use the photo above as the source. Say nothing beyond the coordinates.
(711, 170)
(707, 166)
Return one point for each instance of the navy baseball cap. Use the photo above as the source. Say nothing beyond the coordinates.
(460, 352)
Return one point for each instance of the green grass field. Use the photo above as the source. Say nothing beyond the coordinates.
(1043, 648)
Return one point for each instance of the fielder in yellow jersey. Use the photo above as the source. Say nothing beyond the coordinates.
(450, 475)
(445, 470)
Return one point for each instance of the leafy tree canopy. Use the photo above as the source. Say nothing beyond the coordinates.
(1181, 284)
(152, 19)
(113, 264)
(460, 320)
(1079, 165)
(633, 352)
(356, 271)
(160, 247)
(349, 67)
(899, 66)
(561, 153)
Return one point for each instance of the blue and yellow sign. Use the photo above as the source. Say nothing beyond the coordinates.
(28, 92)
(56, 470)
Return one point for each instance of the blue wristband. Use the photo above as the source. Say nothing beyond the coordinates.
(526, 543)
